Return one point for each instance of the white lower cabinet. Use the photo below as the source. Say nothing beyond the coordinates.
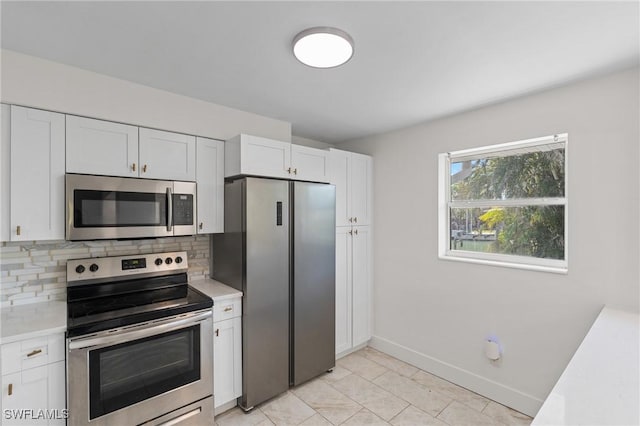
(353, 287)
(227, 353)
(33, 382)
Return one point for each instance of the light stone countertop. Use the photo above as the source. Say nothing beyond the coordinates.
(43, 319)
(601, 384)
(215, 289)
(33, 320)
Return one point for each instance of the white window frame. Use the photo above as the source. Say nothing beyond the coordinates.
(495, 259)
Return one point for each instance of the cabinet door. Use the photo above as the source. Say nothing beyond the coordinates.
(227, 360)
(40, 388)
(265, 157)
(210, 180)
(167, 155)
(310, 164)
(5, 173)
(343, 289)
(37, 175)
(361, 293)
(340, 177)
(361, 182)
(101, 147)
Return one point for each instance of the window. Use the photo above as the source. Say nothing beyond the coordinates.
(506, 204)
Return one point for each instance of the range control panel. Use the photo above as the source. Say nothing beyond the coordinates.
(119, 266)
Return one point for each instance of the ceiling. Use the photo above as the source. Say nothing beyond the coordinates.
(413, 61)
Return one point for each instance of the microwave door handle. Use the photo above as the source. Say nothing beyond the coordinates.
(169, 210)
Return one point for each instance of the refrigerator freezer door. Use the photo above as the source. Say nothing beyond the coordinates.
(265, 321)
(313, 284)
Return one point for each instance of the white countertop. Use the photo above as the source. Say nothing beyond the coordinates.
(33, 320)
(601, 384)
(215, 289)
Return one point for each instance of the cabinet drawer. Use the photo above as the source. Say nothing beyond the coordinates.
(32, 353)
(227, 309)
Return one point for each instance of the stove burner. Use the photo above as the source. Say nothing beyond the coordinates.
(130, 298)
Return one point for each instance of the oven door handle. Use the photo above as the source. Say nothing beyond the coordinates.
(146, 331)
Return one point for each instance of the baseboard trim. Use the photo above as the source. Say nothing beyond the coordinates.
(520, 401)
(226, 407)
(352, 350)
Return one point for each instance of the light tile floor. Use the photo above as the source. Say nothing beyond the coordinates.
(371, 388)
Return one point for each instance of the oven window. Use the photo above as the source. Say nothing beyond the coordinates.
(111, 209)
(127, 373)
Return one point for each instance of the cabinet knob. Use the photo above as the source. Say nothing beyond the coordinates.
(144, 169)
(355, 231)
(295, 171)
(355, 220)
(289, 170)
(201, 225)
(350, 219)
(217, 332)
(350, 232)
(10, 389)
(133, 167)
(18, 230)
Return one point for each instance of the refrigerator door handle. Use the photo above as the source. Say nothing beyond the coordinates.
(278, 213)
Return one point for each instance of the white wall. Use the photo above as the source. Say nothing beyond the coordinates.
(437, 313)
(39, 83)
(299, 140)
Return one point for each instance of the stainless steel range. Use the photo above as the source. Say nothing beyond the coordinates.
(139, 342)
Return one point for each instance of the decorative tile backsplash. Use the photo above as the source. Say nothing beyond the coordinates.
(36, 271)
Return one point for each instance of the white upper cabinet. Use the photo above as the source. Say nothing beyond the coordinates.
(258, 156)
(36, 174)
(210, 180)
(100, 147)
(310, 164)
(167, 155)
(5, 171)
(361, 184)
(351, 173)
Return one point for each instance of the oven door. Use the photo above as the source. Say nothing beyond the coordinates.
(103, 207)
(140, 373)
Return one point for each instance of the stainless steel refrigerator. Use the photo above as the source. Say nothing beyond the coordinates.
(279, 249)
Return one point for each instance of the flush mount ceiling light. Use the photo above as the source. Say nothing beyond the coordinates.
(323, 47)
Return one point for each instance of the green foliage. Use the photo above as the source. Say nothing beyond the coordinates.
(529, 230)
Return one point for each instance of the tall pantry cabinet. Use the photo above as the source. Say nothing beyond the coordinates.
(351, 173)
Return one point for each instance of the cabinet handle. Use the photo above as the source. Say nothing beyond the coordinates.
(144, 169)
(355, 220)
(18, 230)
(355, 231)
(295, 171)
(133, 167)
(289, 170)
(217, 332)
(228, 308)
(201, 225)
(10, 389)
(34, 352)
(350, 232)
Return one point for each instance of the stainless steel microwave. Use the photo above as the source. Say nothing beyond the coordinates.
(103, 207)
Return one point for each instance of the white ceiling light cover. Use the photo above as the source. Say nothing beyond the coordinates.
(323, 47)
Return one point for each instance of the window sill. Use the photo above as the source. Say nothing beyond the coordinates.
(513, 265)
